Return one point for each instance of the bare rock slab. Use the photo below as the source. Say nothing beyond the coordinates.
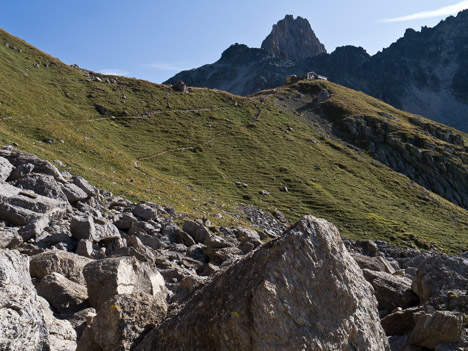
(302, 291)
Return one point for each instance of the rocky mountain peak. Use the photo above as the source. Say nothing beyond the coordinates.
(293, 39)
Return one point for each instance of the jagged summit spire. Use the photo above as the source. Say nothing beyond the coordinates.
(293, 39)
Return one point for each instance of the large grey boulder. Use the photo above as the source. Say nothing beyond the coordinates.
(123, 320)
(66, 263)
(82, 227)
(302, 291)
(123, 275)
(22, 326)
(63, 294)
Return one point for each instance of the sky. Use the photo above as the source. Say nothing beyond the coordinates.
(154, 39)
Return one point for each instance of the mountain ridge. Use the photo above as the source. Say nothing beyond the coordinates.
(422, 72)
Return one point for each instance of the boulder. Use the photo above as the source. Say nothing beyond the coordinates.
(34, 165)
(301, 291)
(9, 238)
(377, 263)
(437, 274)
(5, 169)
(68, 264)
(185, 238)
(84, 185)
(437, 327)
(123, 275)
(197, 231)
(74, 193)
(21, 207)
(180, 86)
(106, 231)
(83, 228)
(145, 212)
(62, 336)
(22, 326)
(42, 184)
(400, 322)
(391, 291)
(123, 321)
(63, 294)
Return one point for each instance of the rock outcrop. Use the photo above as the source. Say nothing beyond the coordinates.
(302, 290)
(423, 72)
(293, 39)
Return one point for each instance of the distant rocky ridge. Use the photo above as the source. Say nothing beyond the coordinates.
(423, 72)
(81, 269)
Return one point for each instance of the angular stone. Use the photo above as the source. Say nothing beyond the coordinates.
(22, 326)
(125, 221)
(9, 238)
(301, 291)
(123, 275)
(377, 263)
(106, 231)
(437, 327)
(5, 169)
(399, 322)
(41, 184)
(186, 239)
(63, 294)
(21, 207)
(62, 336)
(83, 228)
(145, 212)
(84, 185)
(122, 321)
(85, 248)
(197, 231)
(391, 291)
(65, 263)
(439, 273)
(247, 235)
(74, 193)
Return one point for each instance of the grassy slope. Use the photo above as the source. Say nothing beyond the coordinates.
(324, 176)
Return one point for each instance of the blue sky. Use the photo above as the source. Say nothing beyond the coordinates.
(153, 39)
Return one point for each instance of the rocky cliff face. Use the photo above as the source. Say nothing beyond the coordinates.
(423, 72)
(292, 39)
(91, 271)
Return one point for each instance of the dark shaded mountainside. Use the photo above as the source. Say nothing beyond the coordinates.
(423, 72)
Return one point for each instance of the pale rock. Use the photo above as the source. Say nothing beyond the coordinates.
(68, 264)
(123, 320)
(123, 275)
(62, 336)
(22, 326)
(197, 231)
